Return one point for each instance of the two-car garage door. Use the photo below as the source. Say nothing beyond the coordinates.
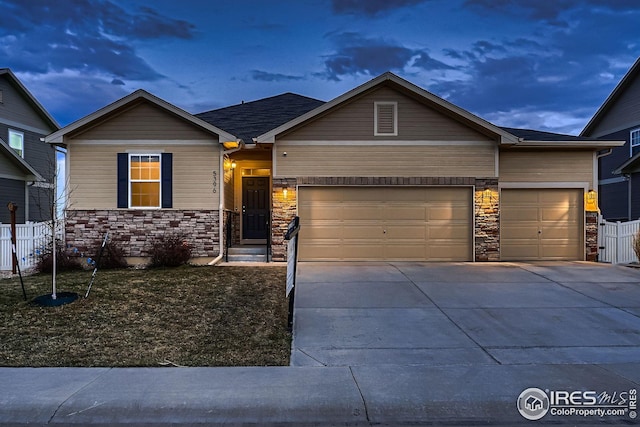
(385, 223)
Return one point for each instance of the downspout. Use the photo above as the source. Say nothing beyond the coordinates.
(221, 205)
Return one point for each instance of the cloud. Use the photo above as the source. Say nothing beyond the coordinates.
(357, 55)
(117, 82)
(273, 77)
(370, 8)
(89, 36)
(549, 11)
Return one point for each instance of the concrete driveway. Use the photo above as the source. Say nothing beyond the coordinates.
(437, 314)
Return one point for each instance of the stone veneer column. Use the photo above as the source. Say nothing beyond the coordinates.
(138, 229)
(487, 220)
(591, 235)
(284, 210)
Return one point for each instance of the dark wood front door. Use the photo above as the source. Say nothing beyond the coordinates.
(255, 207)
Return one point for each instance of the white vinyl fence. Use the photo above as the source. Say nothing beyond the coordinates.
(615, 241)
(31, 239)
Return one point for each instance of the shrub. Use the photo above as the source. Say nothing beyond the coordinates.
(112, 255)
(66, 260)
(636, 244)
(170, 251)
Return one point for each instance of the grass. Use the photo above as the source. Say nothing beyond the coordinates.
(187, 316)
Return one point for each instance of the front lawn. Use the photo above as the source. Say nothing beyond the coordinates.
(187, 316)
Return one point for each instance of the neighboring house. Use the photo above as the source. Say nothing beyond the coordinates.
(387, 171)
(619, 172)
(141, 168)
(27, 164)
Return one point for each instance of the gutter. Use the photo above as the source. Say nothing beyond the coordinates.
(220, 206)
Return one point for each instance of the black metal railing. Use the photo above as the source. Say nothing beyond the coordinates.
(229, 232)
(269, 236)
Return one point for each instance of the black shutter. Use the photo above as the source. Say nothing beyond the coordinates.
(167, 180)
(123, 180)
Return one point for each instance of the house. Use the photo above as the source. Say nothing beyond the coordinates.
(27, 164)
(386, 171)
(139, 168)
(619, 119)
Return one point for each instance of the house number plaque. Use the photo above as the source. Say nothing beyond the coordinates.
(215, 182)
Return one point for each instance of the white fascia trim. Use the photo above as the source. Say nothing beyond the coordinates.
(379, 142)
(571, 144)
(554, 184)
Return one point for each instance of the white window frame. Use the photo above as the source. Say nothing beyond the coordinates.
(631, 140)
(376, 131)
(159, 180)
(20, 150)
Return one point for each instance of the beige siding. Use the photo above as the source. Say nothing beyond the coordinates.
(385, 160)
(144, 121)
(93, 174)
(546, 166)
(15, 108)
(623, 114)
(354, 121)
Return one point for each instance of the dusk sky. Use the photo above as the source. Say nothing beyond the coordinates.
(540, 64)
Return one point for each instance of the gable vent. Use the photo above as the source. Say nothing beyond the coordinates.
(386, 119)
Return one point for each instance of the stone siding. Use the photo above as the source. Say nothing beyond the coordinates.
(591, 234)
(487, 220)
(138, 229)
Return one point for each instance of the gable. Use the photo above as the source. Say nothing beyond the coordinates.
(142, 121)
(354, 121)
(16, 111)
(624, 112)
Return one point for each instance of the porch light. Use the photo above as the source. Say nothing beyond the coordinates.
(233, 164)
(591, 201)
(229, 145)
(284, 193)
(487, 198)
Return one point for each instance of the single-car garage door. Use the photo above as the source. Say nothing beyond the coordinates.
(385, 223)
(541, 224)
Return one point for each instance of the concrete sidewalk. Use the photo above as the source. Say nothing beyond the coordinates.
(296, 396)
(385, 344)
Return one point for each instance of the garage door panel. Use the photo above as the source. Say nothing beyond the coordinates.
(319, 232)
(541, 224)
(418, 231)
(363, 212)
(452, 212)
(321, 212)
(415, 219)
(404, 212)
(361, 251)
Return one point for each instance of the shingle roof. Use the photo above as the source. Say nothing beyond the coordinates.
(250, 119)
(537, 135)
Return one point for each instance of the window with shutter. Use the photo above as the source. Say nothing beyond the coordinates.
(385, 119)
(145, 180)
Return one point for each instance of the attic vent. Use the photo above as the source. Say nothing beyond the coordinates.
(386, 119)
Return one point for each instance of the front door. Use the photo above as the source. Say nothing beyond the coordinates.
(255, 207)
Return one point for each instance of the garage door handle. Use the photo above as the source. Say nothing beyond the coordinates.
(539, 231)
(384, 231)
